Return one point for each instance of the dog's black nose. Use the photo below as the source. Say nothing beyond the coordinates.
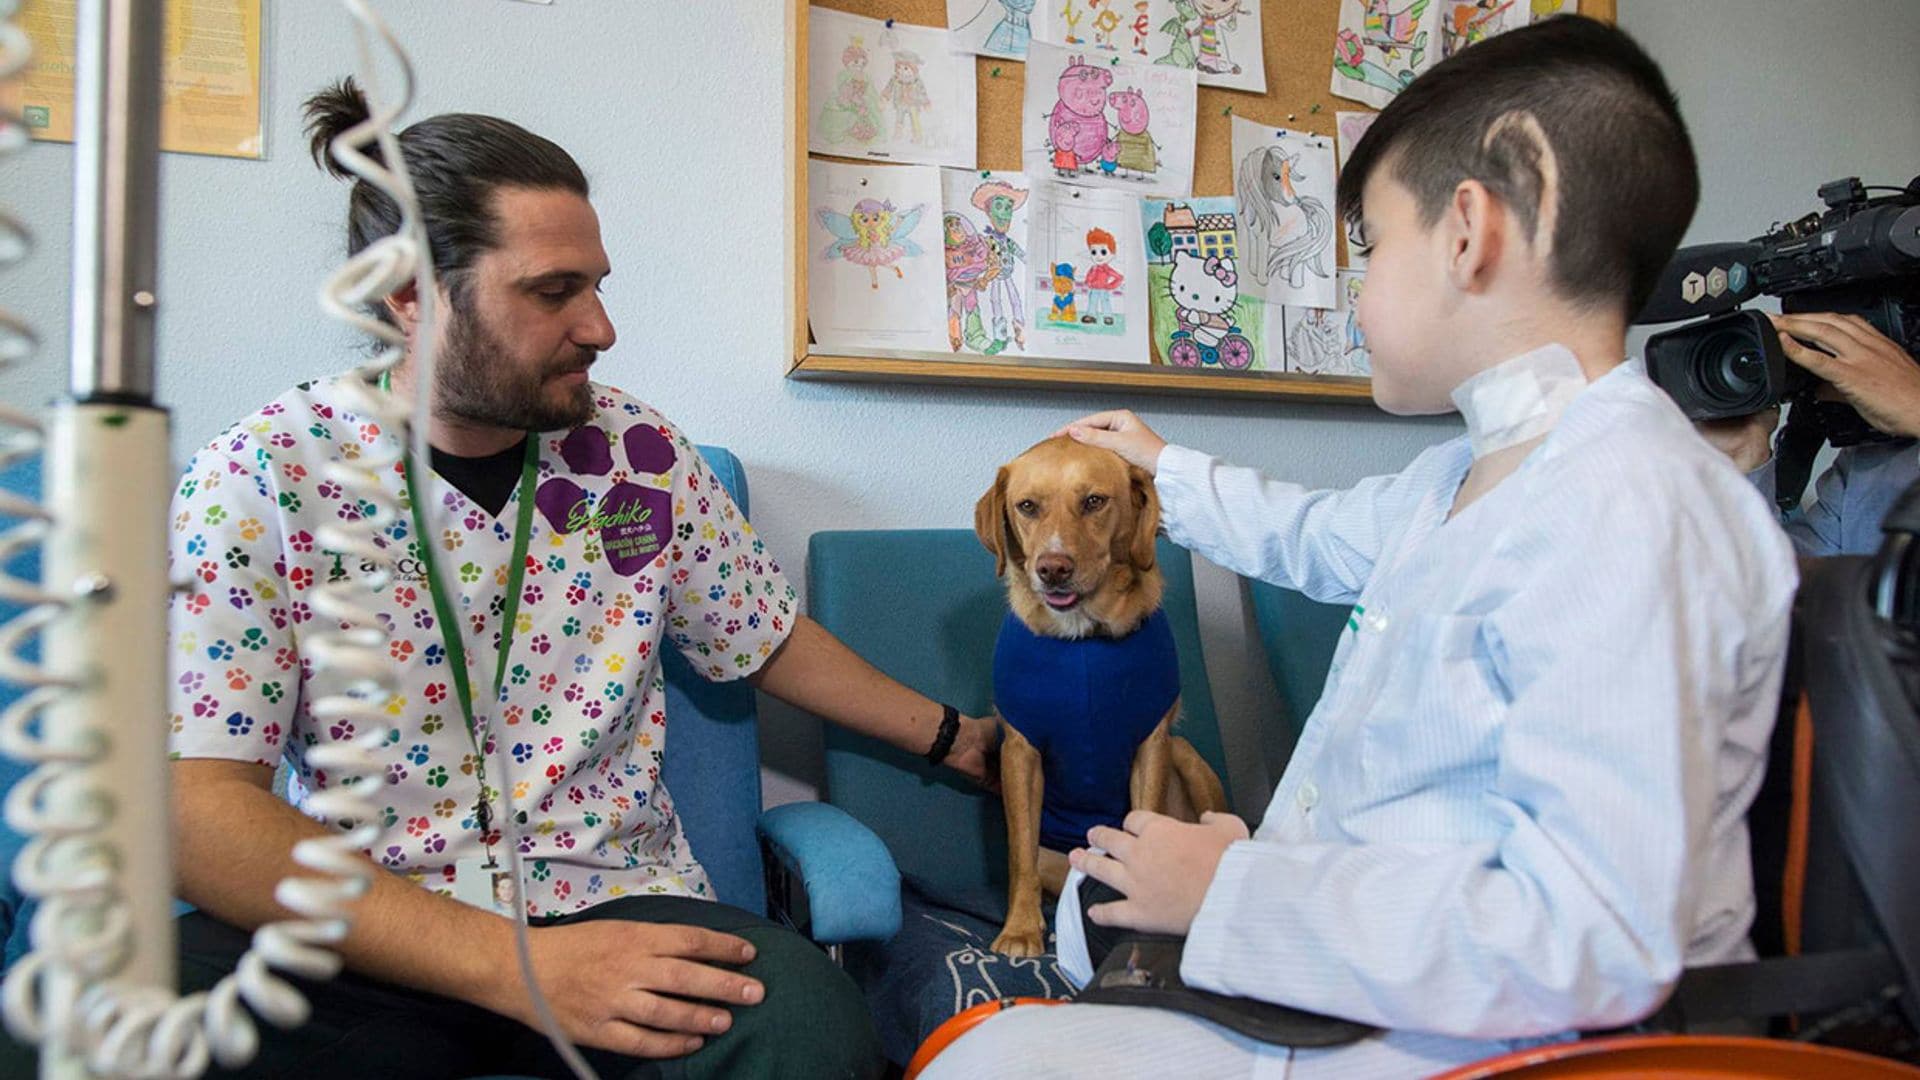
(1054, 570)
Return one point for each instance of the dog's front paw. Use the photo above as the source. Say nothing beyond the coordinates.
(1017, 942)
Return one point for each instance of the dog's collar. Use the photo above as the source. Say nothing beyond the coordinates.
(1518, 399)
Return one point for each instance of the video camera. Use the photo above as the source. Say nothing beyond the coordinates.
(1861, 256)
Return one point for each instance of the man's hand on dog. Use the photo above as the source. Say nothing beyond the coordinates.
(1163, 867)
(1121, 432)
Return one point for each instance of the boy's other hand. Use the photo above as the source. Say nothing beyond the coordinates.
(1870, 370)
(1121, 432)
(1748, 440)
(1161, 865)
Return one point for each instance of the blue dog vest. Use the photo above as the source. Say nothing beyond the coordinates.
(1086, 705)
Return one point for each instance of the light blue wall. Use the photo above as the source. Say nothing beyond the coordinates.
(676, 112)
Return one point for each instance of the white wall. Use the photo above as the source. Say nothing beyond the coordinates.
(675, 110)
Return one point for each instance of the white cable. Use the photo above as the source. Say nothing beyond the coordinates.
(124, 1030)
(391, 262)
(134, 1031)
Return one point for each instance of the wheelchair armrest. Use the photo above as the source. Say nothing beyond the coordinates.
(828, 876)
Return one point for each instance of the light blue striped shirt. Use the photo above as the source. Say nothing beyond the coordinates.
(1519, 808)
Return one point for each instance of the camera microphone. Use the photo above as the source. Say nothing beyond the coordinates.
(1705, 279)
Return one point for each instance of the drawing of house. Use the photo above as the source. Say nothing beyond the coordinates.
(1182, 227)
(1215, 235)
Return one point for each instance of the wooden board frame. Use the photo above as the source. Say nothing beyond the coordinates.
(1299, 59)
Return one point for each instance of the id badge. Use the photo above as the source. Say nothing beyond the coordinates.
(486, 884)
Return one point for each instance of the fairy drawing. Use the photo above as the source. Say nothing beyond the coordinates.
(873, 236)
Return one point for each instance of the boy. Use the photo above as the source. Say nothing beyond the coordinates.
(1517, 811)
(1102, 278)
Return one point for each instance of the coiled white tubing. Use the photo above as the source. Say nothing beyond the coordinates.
(134, 1031)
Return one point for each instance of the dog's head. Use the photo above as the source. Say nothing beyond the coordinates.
(1076, 525)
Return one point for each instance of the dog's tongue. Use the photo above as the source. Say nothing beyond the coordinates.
(1062, 601)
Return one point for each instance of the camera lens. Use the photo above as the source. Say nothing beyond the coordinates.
(1729, 370)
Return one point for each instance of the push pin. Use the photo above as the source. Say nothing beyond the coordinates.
(889, 24)
(1228, 111)
(984, 173)
(863, 181)
(1316, 109)
(995, 73)
(1289, 118)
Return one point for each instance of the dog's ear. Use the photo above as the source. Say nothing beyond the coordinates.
(1146, 517)
(991, 526)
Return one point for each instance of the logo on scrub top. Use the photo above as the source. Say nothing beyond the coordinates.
(632, 520)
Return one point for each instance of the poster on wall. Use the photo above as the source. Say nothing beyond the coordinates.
(990, 27)
(984, 232)
(210, 76)
(1381, 45)
(875, 277)
(1108, 122)
(1326, 341)
(1203, 313)
(1285, 183)
(1220, 40)
(893, 92)
(1089, 275)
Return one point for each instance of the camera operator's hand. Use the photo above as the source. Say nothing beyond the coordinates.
(1748, 440)
(1870, 370)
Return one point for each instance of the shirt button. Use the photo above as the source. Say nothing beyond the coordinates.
(1307, 795)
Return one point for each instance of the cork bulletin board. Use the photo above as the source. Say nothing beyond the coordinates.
(1299, 36)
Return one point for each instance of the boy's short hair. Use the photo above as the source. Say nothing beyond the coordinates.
(1623, 163)
(1102, 237)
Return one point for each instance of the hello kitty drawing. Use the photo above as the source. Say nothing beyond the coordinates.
(1205, 291)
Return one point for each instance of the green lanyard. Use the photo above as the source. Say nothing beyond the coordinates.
(443, 608)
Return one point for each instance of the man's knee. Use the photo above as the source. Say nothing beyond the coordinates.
(813, 1017)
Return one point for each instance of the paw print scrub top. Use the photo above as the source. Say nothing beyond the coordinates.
(633, 545)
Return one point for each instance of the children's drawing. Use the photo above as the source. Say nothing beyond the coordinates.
(1219, 39)
(891, 92)
(1108, 121)
(851, 114)
(1348, 127)
(1328, 341)
(907, 93)
(1109, 25)
(990, 27)
(1381, 45)
(1547, 9)
(1285, 183)
(1089, 275)
(1136, 155)
(986, 245)
(1201, 317)
(1470, 21)
(876, 234)
(875, 283)
(971, 263)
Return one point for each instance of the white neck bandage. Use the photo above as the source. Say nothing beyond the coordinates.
(1518, 399)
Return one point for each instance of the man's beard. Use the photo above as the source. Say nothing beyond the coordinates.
(479, 382)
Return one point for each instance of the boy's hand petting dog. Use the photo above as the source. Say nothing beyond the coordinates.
(1161, 865)
(1121, 432)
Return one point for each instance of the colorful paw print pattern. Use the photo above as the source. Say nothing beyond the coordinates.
(635, 544)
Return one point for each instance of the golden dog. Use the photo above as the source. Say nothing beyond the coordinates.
(1071, 528)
